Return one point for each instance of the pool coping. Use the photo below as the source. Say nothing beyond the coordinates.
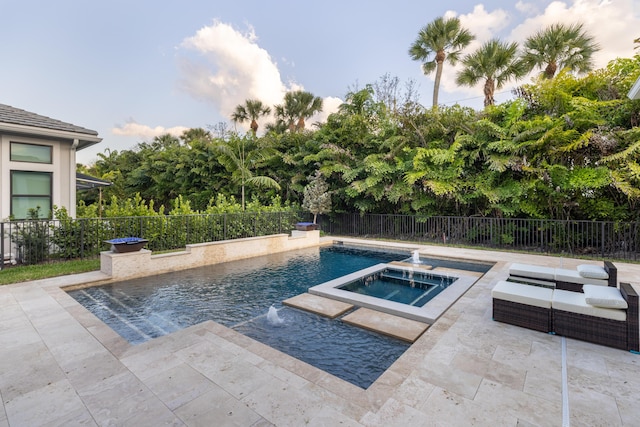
(466, 369)
(428, 313)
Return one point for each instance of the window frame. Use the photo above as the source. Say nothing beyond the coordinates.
(15, 143)
(46, 210)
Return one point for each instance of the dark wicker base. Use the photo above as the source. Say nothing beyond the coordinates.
(526, 316)
(609, 267)
(569, 286)
(612, 333)
(633, 321)
(306, 226)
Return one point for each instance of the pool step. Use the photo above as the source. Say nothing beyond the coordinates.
(408, 264)
(445, 270)
(387, 324)
(319, 305)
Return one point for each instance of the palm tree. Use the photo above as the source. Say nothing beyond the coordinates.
(242, 155)
(252, 110)
(298, 106)
(559, 46)
(495, 62)
(439, 41)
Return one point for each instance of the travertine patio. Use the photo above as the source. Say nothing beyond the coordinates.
(62, 366)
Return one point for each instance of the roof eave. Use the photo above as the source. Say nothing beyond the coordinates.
(634, 93)
(84, 139)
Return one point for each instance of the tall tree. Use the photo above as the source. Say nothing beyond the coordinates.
(297, 107)
(252, 109)
(439, 41)
(317, 198)
(560, 46)
(242, 156)
(496, 63)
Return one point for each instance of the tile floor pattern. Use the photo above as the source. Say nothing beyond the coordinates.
(60, 366)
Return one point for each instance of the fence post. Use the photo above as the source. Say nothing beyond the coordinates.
(81, 238)
(2, 245)
(491, 244)
(602, 238)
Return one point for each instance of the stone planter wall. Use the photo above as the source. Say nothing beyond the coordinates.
(144, 263)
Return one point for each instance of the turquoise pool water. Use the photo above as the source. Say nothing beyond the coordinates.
(239, 295)
(406, 287)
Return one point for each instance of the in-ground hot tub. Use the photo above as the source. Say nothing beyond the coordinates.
(410, 287)
(404, 291)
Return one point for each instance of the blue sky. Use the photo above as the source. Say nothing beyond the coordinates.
(135, 69)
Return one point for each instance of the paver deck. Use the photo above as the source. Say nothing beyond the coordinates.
(387, 324)
(316, 304)
(445, 270)
(60, 365)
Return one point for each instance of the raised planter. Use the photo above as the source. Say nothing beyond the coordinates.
(127, 244)
(306, 226)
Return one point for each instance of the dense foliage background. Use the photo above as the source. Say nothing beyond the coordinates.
(563, 148)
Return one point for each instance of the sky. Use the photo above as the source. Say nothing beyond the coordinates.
(132, 70)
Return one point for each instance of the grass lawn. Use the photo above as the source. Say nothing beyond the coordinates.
(25, 273)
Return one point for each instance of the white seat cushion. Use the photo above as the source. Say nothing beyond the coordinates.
(535, 271)
(522, 294)
(606, 297)
(592, 271)
(572, 276)
(575, 302)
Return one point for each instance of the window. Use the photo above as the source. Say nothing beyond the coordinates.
(33, 153)
(28, 191)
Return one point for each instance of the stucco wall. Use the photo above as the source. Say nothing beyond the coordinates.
(144, 263)
(62, 167)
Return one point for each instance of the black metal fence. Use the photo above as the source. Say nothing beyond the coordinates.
(595, 239)
(35, 241)
(32, 242)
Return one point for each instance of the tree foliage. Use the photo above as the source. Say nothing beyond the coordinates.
(563, 148)
(317, 198)
(441, 40)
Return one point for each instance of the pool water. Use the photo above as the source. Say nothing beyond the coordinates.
(405, 287)
(350, 353)
(239, 294)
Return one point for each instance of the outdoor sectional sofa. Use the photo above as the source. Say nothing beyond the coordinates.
(562, 278)
(610, 320)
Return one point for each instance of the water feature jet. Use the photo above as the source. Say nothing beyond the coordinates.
(273, 318)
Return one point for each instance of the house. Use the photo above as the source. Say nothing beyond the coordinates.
(634, 93)
(38, 162)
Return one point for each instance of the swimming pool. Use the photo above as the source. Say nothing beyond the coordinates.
(239, 295)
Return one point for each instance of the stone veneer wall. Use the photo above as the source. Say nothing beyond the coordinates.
(144, 263)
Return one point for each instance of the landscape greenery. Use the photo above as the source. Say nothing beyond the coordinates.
(567, 146)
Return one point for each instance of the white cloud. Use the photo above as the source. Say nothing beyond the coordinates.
(330, 105)
(527, 8)
(613, 24)
(231, 67)
(132, 128)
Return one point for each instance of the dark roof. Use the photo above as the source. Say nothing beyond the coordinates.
(85, 182)
(17, 116)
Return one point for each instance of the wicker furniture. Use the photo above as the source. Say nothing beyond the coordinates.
(522, 305)
(561, 278)
(569, 315)
(622, 334)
